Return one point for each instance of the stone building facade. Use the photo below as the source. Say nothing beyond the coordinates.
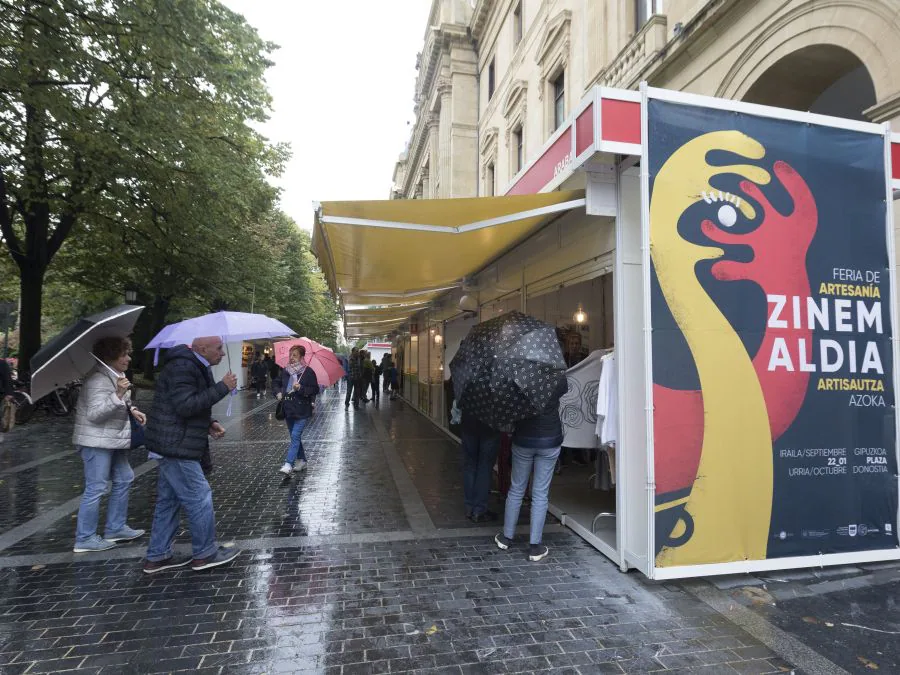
(496, 77)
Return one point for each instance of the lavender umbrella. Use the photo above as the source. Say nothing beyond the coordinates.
(230, 326)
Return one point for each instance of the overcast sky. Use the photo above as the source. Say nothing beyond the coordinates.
(342, 84)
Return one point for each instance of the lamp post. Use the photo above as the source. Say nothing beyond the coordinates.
(131, 295)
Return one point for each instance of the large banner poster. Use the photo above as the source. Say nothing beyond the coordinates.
(771, 331)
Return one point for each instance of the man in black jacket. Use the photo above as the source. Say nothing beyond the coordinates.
(178, 427)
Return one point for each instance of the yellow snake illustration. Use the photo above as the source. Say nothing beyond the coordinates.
(731, 499)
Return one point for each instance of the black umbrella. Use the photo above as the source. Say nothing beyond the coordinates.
(68, 356)
(508, 369)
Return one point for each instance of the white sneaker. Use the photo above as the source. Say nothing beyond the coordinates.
(300, 465)
(286, 469)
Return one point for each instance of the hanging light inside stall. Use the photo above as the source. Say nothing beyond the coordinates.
(580, 316)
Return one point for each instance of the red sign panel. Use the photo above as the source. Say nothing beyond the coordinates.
(620, 121)
(584, 130)
(895, 160)
(553, 162)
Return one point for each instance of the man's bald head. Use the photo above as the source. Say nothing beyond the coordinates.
(210, 348)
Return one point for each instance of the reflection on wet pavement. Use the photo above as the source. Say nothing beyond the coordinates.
(335, 581)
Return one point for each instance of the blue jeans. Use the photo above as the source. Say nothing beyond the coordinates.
(544, 461)
(479, 454)
(295, 449)
(101, 465)
(182, 483)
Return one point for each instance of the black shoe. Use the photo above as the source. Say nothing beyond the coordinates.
(485, 517)
(221, 557)
(152, 567)
(537, 552)
(503, 542)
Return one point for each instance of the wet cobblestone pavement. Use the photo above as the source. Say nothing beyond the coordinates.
(362, 564)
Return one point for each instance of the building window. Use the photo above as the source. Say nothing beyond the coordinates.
(517, 147)
(517, 24)
(491, 80)
(643, 10)
(559, 100)
(490, 187)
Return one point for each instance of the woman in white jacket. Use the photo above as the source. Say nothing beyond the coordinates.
(103, 437)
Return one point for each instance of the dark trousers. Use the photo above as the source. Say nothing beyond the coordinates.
(353, 387)
(375, 391)
(479, 454)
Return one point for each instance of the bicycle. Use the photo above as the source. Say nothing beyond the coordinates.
(60, 402)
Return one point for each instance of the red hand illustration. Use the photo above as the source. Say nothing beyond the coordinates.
(778, 266)
(779, 245)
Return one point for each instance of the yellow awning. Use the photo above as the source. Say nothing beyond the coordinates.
(401, 254)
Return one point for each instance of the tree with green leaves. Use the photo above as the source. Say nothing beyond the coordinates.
(129, 116)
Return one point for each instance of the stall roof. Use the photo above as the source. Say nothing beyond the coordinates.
(389, 258)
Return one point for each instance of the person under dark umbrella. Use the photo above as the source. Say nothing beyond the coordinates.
(535, 447)
(480, 445)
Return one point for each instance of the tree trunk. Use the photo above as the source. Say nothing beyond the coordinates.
(31, 287)
(157, 322)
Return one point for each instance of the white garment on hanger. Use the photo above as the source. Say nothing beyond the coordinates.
(608, 402)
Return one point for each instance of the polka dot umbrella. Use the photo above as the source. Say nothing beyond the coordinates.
(508, 369)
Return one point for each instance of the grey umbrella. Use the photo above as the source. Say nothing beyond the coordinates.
(68, 356)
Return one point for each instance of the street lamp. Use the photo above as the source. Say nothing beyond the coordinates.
(131, 295)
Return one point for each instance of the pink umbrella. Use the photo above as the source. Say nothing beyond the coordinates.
(323, 361)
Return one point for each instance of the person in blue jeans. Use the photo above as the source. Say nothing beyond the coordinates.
(103, 437)
(298, 387)
(535, 446)
(480, 445)
(180, 424)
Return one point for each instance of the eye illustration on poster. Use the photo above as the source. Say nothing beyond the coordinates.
(774, 430)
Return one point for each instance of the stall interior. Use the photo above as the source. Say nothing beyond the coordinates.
(583, 490)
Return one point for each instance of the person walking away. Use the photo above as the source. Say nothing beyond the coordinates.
(354, 382)
(345, 364)
(395, 381)
(386, 363)
(267, 363)
(480, 445)
(535, 446)
(6, 387)
(368, 373)
(103, 438)
(258, 374)
(274, 372)
(298, 388)
(376, 380)
(178, 429)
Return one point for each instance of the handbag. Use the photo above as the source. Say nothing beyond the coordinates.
(279, 409)
(137, 430)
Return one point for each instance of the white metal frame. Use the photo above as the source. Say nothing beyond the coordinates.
(892, 271)
(468, 227)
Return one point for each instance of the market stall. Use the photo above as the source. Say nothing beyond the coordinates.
(738, 265)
